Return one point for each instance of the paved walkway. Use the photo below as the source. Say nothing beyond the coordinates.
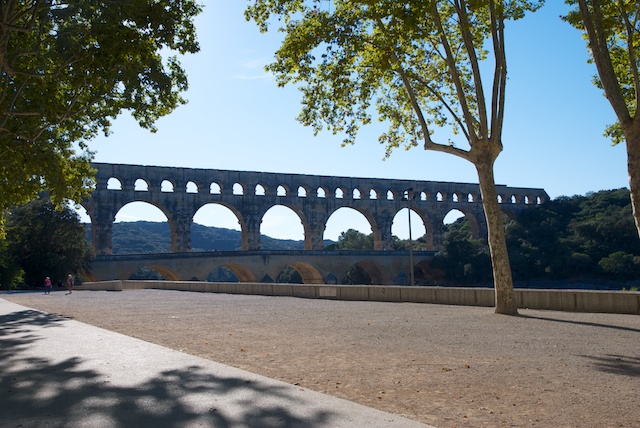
(56, 372)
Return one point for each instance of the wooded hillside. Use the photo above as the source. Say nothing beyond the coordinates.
(142, 237)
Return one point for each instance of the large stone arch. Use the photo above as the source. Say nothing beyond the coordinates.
(308, 273)
(244, 227)
(306, 228)
(154, 204)
(234, 211)
(426, 222)
(475, 223)
(241, 272)
(118, 208)
(426, 274)
(377, 272)
(167, 273)
(367, 214)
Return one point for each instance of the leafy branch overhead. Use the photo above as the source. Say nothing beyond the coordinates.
(417, 62)
(612, 31)
(67, 69)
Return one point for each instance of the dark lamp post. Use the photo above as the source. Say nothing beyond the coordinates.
(410, 195)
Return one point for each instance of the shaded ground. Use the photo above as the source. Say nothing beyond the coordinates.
(448, 366)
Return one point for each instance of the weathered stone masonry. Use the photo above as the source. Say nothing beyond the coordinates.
(180, 192)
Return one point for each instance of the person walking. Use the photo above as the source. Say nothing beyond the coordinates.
(70, 282)
(47, 285)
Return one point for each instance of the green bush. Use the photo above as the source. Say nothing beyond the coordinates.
(621, 265)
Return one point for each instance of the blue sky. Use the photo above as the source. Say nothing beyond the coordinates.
(238, 119)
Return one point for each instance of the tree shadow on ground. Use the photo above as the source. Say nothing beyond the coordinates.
(614, 364)
(39, 391)
(617, 364)
(585, 323)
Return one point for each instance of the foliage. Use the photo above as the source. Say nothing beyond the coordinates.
(356, 240)
(148, 274)
(356, 275)
(621, 265)
(419, 244)
(10, 271)
(463, 259)
(534, 239)
(612, 31)
(570, 236)
(222, 274)
(289, 276)
(590, 237)
(140, 237)
(66, 69)
(205, 238)
(147, 237)
(352, 240)
(45, 241)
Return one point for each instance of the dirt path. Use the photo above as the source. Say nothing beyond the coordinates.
(448, 366)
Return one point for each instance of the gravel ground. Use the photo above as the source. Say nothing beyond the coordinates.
(448, 366)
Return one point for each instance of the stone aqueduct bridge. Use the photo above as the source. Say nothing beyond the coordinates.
(180, 192)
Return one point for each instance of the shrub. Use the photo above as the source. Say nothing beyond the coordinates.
(621, 265)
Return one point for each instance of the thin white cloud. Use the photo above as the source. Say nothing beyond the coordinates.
(253, 69)
(255, 63)
(263, 76)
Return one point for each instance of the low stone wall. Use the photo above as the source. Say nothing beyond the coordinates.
(620, 302)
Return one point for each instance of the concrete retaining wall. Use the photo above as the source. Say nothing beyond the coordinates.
(620, 302)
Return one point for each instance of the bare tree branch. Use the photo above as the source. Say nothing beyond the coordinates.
(598, 42)
(467, 38)
(500, 71)
(453, 70)
(631, 50)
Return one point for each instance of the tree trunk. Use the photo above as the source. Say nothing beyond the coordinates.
(632, 137)
(502, 280)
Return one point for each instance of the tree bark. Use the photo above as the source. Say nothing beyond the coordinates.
(502, 279)
(632, 138)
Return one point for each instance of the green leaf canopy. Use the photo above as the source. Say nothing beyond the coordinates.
(67, 68)
(416, 61)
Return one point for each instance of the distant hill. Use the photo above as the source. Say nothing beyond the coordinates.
(142, 237)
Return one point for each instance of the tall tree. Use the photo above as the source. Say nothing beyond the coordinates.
(612, 31)
(46, 241)
(421, 63)
(9, 268)
(67, 68)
